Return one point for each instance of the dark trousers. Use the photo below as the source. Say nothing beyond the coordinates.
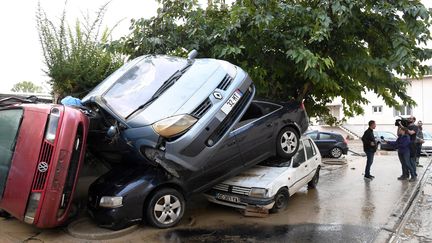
(369, 161)
(408, 168)
(418, 149)
(413, 156)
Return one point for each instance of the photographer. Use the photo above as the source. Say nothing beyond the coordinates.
(412, 132)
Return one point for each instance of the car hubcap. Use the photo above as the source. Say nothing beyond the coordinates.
(167, 209)
(288, 142)
(336, 152)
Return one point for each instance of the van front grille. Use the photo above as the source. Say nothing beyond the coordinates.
(202, 108)
(42, 168)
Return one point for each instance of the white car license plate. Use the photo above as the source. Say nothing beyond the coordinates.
(229, 198)
(235, 97)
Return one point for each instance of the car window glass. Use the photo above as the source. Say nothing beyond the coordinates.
(310, 150)
(138, 84)
(388, 135)
(324, 136)
(313, 135)
(300, 156)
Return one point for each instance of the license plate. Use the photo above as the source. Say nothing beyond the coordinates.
(229, 198)
(235, 97)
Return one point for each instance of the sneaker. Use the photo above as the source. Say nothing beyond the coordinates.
(402, 178)
(373, 177)
(413, 179)
(419, 165)
(368, 177)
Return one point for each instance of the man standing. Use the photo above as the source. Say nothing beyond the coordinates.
(369, 147)
(419, 142)
(412, 131)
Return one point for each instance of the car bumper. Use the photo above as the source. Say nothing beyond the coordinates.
(345, 150)
(242, 202)
(110, 218)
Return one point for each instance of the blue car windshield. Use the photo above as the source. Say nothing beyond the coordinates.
(139, 83)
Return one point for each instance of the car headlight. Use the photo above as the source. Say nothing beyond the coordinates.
(32, 206)
(50, 133)
(111, 202)
(175, 125)
(258, 192)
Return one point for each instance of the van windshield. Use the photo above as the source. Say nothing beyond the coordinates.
(10, 121)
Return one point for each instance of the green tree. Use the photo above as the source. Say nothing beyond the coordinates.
(76, 57)
(27, 87)
(314, 50)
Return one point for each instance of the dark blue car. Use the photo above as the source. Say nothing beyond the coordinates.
(330, 144)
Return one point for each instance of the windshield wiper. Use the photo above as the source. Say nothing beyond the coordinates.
(168, 83)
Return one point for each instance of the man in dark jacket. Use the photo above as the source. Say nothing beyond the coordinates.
(369, 147)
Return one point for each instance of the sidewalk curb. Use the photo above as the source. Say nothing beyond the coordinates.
(396, 218)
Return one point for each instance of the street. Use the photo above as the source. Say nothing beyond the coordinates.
(343, 208)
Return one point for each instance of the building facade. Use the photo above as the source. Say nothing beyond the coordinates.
(420, 91)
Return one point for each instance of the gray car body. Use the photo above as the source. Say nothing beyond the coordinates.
(195, 86)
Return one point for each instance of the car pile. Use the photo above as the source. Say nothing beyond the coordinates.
(167, 126)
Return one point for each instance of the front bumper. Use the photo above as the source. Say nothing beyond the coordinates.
(244, 202)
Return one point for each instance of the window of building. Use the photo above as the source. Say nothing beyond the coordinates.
(404, 111)
(377, 108)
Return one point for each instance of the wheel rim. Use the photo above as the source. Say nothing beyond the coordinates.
(288, 142)
(167, 209)
(336, 152)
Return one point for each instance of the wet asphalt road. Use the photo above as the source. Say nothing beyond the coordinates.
(343, 208)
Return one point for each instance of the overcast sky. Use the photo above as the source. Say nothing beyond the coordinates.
(20, 51)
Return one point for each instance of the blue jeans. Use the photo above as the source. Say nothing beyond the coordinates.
(369, 161)
(407, 165)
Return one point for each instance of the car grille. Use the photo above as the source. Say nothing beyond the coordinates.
(225, 83)
(202, 108)
(229, 119)
(233, 189)
(44, 157)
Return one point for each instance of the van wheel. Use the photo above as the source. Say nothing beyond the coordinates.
(287, 143)
(281, 200)
(314, 182)
(165, 208)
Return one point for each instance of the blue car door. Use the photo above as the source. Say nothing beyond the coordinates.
(256, 140)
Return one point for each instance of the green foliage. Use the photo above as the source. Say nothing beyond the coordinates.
(26, 87)
(314, 50)
(76, 57)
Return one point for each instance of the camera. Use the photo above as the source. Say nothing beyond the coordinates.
(404, 122)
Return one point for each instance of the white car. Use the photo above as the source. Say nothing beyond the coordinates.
(268, 186)
(427, 145)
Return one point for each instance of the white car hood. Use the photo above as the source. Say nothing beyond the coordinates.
(257, 176)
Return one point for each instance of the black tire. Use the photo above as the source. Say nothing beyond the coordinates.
(314, 182)
(281, 200)
(287, 142)
(336, 152)
(162, 214)
(4, 214)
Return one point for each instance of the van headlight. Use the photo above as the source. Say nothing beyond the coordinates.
(32, 207)
(171, 126)
(258, 192)
(51, 130)
(111, 202)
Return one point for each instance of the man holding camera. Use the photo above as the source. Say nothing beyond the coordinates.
(369, 147)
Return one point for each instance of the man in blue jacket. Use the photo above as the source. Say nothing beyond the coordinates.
(369, 147)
